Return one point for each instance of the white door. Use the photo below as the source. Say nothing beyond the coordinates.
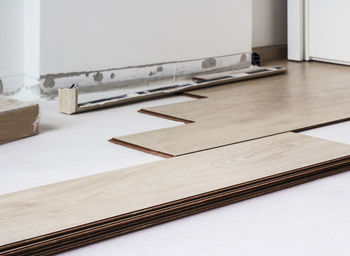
(329, 30)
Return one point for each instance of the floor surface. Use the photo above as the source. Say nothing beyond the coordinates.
(308, 219)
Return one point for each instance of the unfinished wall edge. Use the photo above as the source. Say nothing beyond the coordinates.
(144, 75)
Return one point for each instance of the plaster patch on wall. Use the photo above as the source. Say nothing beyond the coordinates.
(158, 70)
(49, 82)
(243, 58)
(98, 77)
(209, 63)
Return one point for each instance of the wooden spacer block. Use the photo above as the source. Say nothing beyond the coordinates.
(68, 100)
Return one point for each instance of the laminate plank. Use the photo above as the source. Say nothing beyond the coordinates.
(226, 129)
(302, 78)
(178, 210)
(57, 207)
(310, 95)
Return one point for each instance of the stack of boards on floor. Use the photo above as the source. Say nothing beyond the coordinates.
(58, 217)
(17, 119)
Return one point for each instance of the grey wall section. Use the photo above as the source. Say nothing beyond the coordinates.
(269, 22)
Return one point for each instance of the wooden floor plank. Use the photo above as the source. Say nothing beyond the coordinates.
(310, 95)
(44, 210)
(102, 232)
(309, 76)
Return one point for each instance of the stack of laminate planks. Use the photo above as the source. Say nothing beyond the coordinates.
(17, 119)
(62, 216)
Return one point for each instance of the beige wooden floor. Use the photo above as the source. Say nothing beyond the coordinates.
(309, 95)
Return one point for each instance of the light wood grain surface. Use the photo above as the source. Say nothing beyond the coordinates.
(311, 94)
(31, 213)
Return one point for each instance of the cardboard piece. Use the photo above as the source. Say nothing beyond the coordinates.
(17, 119)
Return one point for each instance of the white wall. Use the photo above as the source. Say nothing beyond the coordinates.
(41, 37)
(269, 22)
(83, 35)
(11, 43)
(31, 57)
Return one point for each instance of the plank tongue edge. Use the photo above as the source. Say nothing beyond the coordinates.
(140, 148)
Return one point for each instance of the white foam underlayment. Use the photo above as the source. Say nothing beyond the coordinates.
(310, 219)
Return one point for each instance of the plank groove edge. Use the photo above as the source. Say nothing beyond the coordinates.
(172, 118)
(137, 147)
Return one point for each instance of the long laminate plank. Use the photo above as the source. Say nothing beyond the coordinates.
(44, 210)
(229, 195)
(310, 95)
(226, 129)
